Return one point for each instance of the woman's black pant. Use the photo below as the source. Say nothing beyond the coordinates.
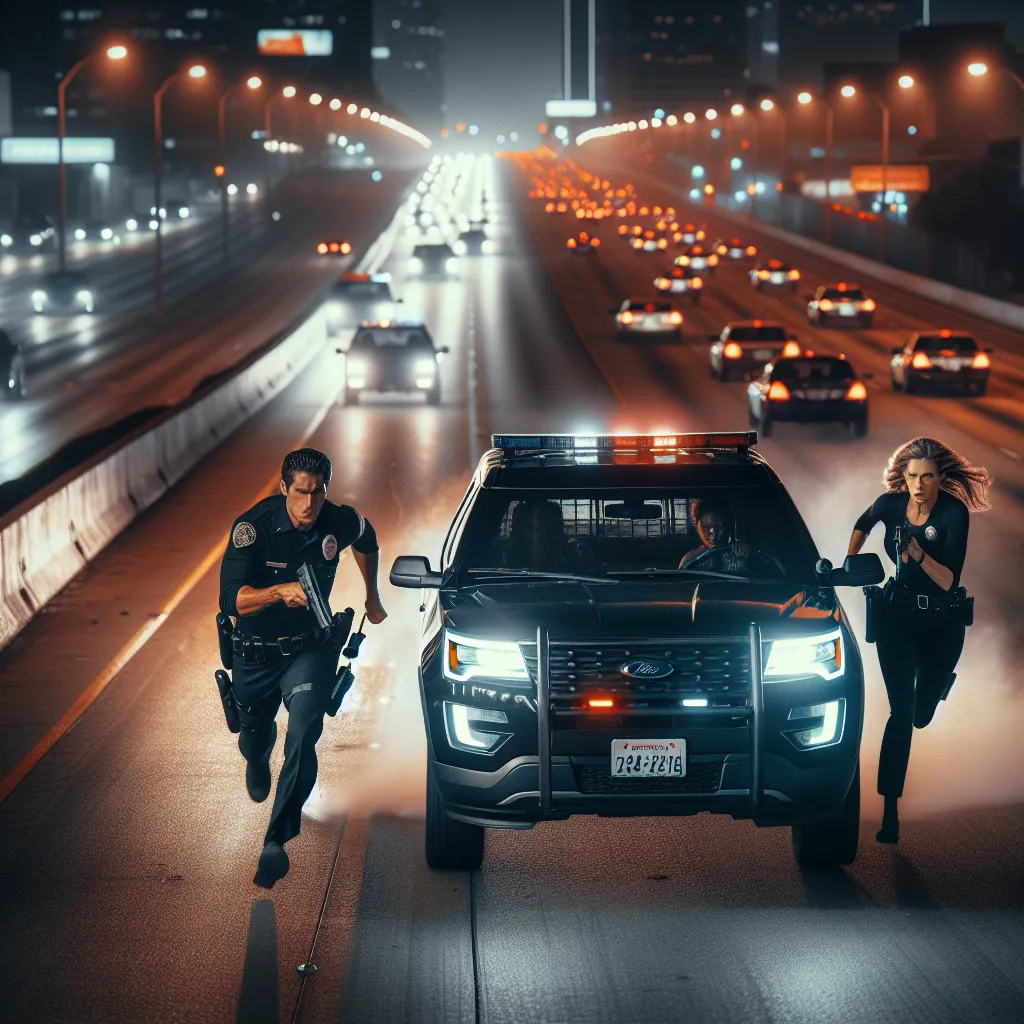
(917, 652)
(304, 682)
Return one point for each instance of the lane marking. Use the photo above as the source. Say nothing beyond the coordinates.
(113, 667)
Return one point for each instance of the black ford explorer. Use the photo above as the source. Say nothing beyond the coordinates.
(631, 626)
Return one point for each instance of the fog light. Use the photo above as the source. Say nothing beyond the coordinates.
(825, 724)
(461, 727)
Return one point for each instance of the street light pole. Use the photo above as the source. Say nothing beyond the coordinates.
(61, 132)
(885, 174)
(830, 118)
(222, 142)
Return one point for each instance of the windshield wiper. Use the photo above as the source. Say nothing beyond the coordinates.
(703, 573)
(533, 574)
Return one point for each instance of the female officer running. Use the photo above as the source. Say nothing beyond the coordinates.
(920, 621)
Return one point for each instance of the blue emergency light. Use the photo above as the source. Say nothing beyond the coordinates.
(731, 440)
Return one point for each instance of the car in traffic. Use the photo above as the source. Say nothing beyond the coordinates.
(392, 356)
(137, 222)
(680, 281)
(776, 274)
(649, 240)
(95, 231)
(841, 303)
(583, 242)
(941, 361)
(644, 317)
(64, 291)
(698, 258)
(433, 259)
(734, 249)
(692, 234)
(334, 247)
(29, 234)
(748, 345)
(809, 388)
(584, 650)
(473, 241)
(358, 297)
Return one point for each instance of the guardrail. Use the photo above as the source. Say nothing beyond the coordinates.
(49, 539)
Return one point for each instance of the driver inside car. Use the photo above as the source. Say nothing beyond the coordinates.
(718, 550)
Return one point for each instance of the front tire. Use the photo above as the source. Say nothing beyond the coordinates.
(833, 842)
(449, 845)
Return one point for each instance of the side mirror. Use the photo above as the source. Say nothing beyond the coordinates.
(414, 573)
(340, 351)
(857, 571)
(867, 376)
(987, 351)
(895, 351)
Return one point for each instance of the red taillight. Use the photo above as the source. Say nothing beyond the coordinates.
(980, 361)
(676, 318)
(732, 350)
(751, 251)
(346, 248)
(712, 260)
(571, 244)
(794, 275)
(696, 282)
(825, 305)
(549, 207)
(763, 275)
(662, 283)
(778, 392)
(791, 350)
(662, 243)
(623, 229)
(334, 247)
(921, 361)
(869, 305)
(322, 248)
(595, 242)
(722, 250)
(627, 317)
(600, 702)
(857, 392)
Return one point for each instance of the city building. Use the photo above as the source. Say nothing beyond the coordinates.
(408, 54)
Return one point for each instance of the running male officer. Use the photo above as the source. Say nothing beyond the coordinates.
(279, 651)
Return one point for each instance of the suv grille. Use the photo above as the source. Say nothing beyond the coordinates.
(716, 669)
(700, 777)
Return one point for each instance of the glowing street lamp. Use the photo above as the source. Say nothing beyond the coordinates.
(689, 117)
(905, 82)
(316, 99)
(335, 104)
(252, 83)
(977, 69)
(804, 98)
(114, 53)
(736, 110)
(767, 104)
(288, 91)
(848, 91)
(711, 113)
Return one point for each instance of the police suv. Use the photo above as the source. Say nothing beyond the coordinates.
(630, 626)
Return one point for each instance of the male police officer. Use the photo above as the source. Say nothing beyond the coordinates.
(279, 653)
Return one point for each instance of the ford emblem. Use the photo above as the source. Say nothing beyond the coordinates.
(644, 668)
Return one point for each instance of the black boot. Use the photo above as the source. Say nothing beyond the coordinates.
(257, 771)
(273, 865)
(890, 830)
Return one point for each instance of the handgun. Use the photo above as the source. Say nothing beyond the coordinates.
(317, 602)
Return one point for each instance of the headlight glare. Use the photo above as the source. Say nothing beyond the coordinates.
(469, 658)
(461, 724)
(807, 656)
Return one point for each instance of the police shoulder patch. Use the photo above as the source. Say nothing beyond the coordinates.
(243, 535)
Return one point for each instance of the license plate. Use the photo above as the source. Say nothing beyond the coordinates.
(816, 395)
(697, 264)
(644, 759)
(778, 278)
(847, 310)
(949, 364)
(650, 324)
(763, 353)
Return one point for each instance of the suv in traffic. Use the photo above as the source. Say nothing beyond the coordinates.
(629, 626)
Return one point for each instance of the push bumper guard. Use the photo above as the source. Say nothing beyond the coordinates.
(754, 714)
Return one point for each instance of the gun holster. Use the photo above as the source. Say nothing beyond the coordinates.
(874, 597)
(227, 695)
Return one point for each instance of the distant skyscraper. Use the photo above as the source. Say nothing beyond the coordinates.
(408, 54)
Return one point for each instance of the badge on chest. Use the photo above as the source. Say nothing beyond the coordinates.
(330, 547)
(931, 533)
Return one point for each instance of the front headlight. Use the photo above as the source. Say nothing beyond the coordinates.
(461, 726)
(460, 248)
(468, 658)
(807, 656)
(35, 240)
(131, 224)
(424, 367)
(84, 297)
(356, 368)
(107, 234)
(415, 264)
(487, 247)
(39, 295)
(79, 234)
(6, 240)
(450, 265)
(183, 212)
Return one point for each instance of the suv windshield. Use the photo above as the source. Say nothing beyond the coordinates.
(849, 294)
(391, 337)
(66, 279)
(811, 370)
(362, 290)
(744, 532)
(936, 343)
(757, 334)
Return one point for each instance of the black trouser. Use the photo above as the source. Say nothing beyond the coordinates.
(304, 681)
(917, 652)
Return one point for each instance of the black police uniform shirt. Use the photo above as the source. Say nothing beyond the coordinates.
(943, 536)
(265, 549)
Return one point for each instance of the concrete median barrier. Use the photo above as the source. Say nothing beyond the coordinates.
(47, 540)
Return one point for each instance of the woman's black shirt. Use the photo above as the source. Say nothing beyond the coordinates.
(943, 536)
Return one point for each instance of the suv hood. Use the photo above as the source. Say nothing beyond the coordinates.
(670, 608)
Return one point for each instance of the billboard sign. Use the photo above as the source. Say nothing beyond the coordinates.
(295, 42)
(898, 178)
(77, 150)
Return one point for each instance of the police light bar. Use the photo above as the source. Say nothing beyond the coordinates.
(734, 440)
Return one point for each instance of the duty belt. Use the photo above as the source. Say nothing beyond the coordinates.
(922, 602)
(258, 649)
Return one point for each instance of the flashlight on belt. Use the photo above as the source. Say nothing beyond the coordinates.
(346, 677)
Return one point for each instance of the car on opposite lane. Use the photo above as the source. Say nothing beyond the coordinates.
(809, 388)
(64, 291)
(680, 281)
(841, 303)
(941, 360)
(774, 273)
(644, 317)
(392, 356)
(745, 346)
(585, 651)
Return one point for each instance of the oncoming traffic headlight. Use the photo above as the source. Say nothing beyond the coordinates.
(807, 656)
(469, 658)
